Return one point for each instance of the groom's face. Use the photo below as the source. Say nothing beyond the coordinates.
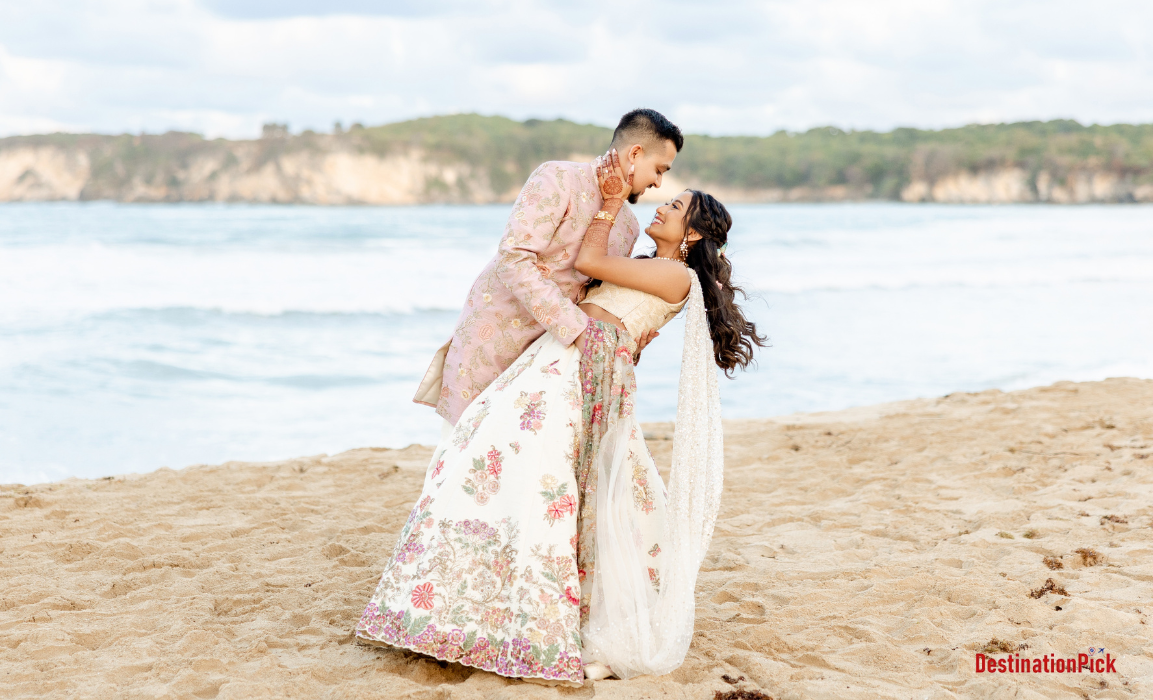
(649, 165)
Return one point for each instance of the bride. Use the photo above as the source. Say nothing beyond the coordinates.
(544, 544)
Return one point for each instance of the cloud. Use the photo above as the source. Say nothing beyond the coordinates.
(223, 68)
(276, 9)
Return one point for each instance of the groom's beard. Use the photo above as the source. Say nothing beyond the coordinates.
(633, 198)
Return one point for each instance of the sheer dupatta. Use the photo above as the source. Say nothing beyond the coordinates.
(633, 627)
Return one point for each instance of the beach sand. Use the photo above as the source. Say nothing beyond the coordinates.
(868, 553)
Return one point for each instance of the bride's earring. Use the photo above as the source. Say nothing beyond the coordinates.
(684, 248)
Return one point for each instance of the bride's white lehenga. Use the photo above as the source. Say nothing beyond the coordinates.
(544, 537)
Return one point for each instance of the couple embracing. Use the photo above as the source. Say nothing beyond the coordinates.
(545, 545)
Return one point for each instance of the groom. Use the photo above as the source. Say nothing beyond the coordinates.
(530, 286)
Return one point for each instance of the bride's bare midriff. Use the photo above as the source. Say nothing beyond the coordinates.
(600, 314)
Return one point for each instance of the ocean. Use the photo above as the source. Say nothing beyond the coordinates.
(134, 337)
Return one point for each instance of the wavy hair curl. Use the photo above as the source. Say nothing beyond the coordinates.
(734, 336)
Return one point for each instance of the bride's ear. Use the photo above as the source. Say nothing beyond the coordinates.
(693, 236)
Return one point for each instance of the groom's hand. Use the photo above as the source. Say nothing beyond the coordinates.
(646, 338)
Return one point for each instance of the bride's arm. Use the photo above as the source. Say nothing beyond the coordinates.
(664, 278)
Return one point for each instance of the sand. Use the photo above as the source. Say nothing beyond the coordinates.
(869, 553)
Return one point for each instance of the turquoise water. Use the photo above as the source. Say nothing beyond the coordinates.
(139, 336)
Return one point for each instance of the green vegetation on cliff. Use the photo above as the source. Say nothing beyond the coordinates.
(875, 163)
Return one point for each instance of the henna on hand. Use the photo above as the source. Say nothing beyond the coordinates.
(597, 234)
(611, 177)
(613, 206)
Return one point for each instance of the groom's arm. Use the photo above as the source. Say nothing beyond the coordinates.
(536, 215)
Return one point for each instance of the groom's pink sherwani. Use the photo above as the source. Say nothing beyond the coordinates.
(529, 286)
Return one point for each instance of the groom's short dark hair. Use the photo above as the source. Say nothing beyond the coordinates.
(647, 125)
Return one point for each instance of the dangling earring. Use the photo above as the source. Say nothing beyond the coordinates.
(684, 248)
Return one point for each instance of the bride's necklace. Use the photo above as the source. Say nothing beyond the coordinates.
(658, 257)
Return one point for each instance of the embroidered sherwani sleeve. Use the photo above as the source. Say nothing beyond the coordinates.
(532, 227)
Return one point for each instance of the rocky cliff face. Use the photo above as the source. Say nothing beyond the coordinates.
(329, 170)
(30, 174)
(242, 172)
(1006, 185)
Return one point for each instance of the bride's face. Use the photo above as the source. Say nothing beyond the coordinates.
(668, 223)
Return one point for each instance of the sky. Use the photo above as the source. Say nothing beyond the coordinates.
(225, 67)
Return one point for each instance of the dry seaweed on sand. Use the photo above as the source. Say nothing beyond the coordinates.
(1054, 563)
(1049, 587)
(1000, 646)
(741, 695)
(1089, 557)
(1117, 519)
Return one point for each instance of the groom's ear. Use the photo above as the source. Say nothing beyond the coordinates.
(634, 152)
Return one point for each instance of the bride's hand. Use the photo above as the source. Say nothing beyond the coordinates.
(613, 181)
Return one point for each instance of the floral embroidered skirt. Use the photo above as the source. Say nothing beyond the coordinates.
(493, 568)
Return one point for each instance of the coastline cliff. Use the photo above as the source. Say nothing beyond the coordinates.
(474, 159)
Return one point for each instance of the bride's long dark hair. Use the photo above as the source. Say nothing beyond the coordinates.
(734, 336)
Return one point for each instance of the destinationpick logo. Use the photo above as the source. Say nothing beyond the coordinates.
(1082, 663)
